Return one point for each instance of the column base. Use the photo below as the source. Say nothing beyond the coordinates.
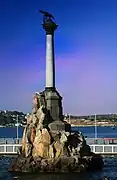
(50, 89)
(53, 103)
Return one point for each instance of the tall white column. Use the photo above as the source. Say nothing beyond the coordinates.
(50, 66)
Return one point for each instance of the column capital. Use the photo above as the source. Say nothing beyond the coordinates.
(50, 27)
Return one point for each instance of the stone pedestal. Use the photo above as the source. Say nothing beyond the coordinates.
(54, 105)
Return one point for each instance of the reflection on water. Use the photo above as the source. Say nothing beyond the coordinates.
(109, 170)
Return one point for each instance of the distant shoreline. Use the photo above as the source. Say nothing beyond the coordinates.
(90, 125)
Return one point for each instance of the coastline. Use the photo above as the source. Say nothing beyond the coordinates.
(90, 125)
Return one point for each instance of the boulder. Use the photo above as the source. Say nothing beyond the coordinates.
(42, 144)
(42, 136)
(63, 138)
(51, 152)
(41, 150)
(85, 150)
(58, 149)
(40, 114)
(46, 138)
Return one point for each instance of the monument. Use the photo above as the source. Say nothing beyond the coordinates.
(47, 143)
(52, 97)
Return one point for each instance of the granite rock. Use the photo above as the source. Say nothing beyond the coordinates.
(45, 151)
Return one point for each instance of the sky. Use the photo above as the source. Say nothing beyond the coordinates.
(85, 54)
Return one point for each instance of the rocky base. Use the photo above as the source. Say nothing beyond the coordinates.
(60, 165)
(44, 150)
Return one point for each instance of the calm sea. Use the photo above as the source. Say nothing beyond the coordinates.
(87, 131)
(110, 162)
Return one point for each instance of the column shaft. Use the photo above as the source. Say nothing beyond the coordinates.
(50, 64)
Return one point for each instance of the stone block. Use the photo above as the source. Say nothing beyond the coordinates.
(59, 126)
(54, 103)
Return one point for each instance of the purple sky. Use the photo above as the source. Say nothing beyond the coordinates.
(85, 48)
